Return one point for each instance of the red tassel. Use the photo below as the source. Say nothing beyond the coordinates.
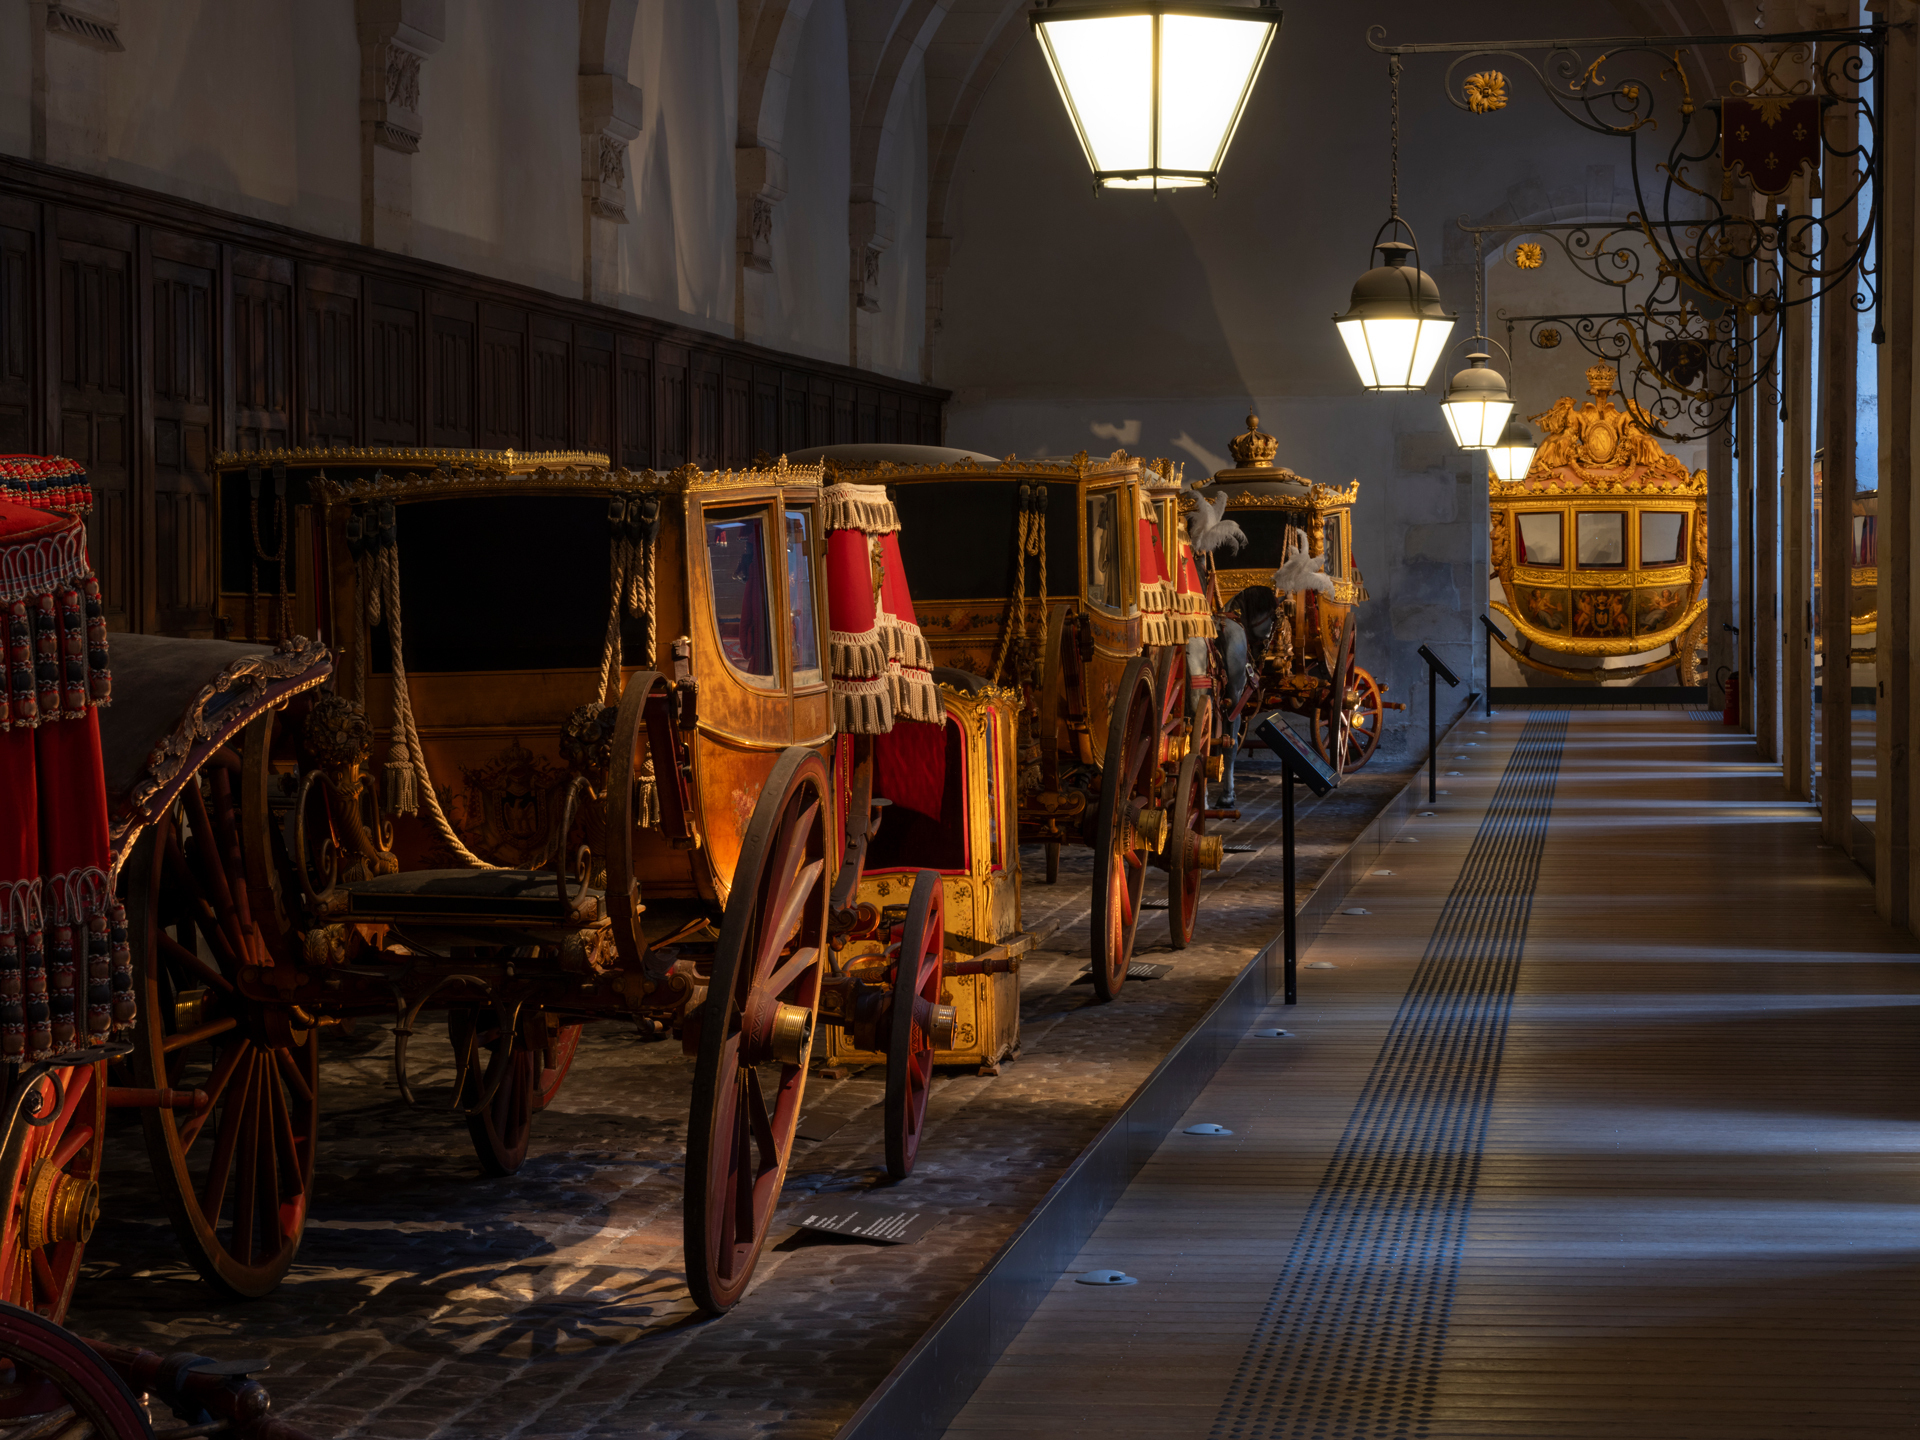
(46, 655)
(25, 708)
(73, 656)
(99, 682)
(122, 966)
(34, 971)
(60, 986)
(13, 1015)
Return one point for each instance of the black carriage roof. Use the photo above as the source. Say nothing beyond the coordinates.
(1278, 489)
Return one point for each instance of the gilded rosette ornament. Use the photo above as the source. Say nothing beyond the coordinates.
(1601, 549)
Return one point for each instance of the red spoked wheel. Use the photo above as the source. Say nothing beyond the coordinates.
(500, 1078)
(235, 1170)
(918, 972)
(1130, 828)
(757, 1031)
(1358, 724)
(52, 1384)
(1189, 854)
(52, 1185)
(555, 1062)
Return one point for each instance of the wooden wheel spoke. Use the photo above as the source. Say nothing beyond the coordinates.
(45, 1283)
(226, 1139)
(791, 892)
(247, 1196)
(76, 1139)
(781, 979)
(215, 1087)
(290, 1072)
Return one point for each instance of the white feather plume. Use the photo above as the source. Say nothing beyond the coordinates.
(1299, 571)
(1209, 529)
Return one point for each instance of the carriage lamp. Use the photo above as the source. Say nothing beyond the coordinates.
(1512, 457)
(1155, 89)
(1394, 327)
(1477, 405)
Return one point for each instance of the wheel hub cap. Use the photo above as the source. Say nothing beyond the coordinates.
(60, 1208)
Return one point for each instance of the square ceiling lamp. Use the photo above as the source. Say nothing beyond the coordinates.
(1155, 90)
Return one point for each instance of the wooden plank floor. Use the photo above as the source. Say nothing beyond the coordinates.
(1692, 1190)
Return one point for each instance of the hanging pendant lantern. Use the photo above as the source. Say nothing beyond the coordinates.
(1513, 456)
(1394, 327)
(1156, 89)
(1477, 405)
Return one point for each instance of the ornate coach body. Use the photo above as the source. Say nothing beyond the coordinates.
(1601, 551)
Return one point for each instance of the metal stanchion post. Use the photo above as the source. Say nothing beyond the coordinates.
(1297, 762)
(1292, 925)
(1494, 632)
(1436, 671)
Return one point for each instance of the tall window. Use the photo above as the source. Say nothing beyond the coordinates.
(806, 642)
(742, 598)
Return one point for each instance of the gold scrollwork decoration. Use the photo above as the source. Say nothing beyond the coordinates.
(1486, 92)
(1529, 256)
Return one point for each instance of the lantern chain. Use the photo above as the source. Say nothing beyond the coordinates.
(1393, 81)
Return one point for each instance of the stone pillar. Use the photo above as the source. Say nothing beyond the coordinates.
(759, 185)
(1744, 590)
(939, 258)
(1796, 516)
(1720, 566)
(1839, 357)
(1895, 880)
(73, 45)
(1766, 544)
(870, 233)
(609, 119)
(396, 38)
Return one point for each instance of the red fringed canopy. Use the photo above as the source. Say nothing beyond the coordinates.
(66, 976)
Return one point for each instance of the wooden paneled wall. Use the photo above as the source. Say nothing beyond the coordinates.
(140, 335)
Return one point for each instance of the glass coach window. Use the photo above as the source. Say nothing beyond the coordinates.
(1663, 535)
(806, 641)
(742, 598)
(1539, 538)
(1104, 580)
(1601, 538)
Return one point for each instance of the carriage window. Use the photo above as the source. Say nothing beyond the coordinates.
(1600, 537)
(1866, 546)
(806, 640)
(742, 598)
(1540, 538)
(1662, 534)
(1335, 550)
(1103, 552)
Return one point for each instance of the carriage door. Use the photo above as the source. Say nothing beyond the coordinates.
(743, 585)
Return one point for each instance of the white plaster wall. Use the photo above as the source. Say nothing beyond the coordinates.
(16, 81)
(677, 252)
(890, 339)
(1080, 321)
(248, 105)
(496, 183)
(802, 305)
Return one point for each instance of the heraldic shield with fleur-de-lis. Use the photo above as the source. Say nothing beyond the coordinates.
(1771, 137)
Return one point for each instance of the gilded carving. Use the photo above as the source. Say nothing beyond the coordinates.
(1528, 256)
(1486, 92)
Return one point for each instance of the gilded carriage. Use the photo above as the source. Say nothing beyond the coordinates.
(1601, 551)
(1294, 585)
(586, 757)
(1060, 580)
(79, 785)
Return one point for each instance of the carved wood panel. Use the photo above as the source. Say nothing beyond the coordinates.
(736, 414)
(593, 389)
(820, 411)
(95, 339)
(393, 366)
(261, 351)
(502, 411)
(552, 387)
(330, 359)
(670, 363)
(707, 452)
(451, 373)
(793, 416)
(182, 389)
(635, 404)
(17, 345)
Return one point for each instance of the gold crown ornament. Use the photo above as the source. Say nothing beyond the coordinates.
(1254, 450)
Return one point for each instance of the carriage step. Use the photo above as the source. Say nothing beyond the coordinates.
(521, 895)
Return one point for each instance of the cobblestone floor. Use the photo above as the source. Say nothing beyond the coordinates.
(428, 1302)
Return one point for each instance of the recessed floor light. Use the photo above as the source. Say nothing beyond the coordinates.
(1207, 1128)
(1105, 1277)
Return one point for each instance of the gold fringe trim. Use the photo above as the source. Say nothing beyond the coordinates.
(859, 507)
(1188, 601)
(915, 697)
(857, 656)
(905, 642)
(1159, 630)
(1157, 595)
(863, 707)
(1197, 627)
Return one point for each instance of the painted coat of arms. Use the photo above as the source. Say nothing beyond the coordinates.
(1772, 138)
(504, 808)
